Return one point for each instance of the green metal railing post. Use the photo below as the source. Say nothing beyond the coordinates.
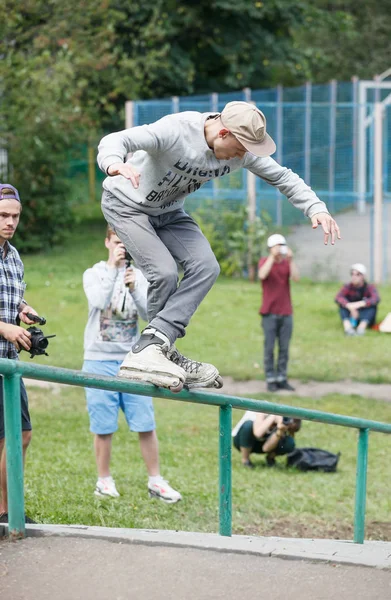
(13, 444)
(225, 470)
(361, 486)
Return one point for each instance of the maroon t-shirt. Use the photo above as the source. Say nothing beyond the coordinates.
(276, 289)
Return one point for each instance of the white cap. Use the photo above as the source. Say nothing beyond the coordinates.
(359, 267)
(276, 239)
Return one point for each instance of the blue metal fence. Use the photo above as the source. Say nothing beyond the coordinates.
(315, 127)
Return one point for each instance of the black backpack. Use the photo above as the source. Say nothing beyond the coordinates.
(313, 459)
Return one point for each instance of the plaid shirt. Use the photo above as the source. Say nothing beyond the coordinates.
(350, 293)
(12, 289)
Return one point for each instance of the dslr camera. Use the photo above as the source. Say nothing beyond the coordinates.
(39, 341)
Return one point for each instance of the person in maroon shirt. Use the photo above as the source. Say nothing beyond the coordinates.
(357, 302)
(275, 273)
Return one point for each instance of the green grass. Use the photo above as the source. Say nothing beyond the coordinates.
(226, 328)
(60, 474)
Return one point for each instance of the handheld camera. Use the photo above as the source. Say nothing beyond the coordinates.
(287, 421)
(39, 341)
(128, 259)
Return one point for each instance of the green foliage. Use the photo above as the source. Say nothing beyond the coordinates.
(351, 38)
(68, 67)
(236, 241)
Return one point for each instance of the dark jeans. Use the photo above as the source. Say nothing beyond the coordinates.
(26, 421)
(364, 314)
(278, 327)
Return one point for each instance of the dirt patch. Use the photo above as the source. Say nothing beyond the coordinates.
(316, 528)
(311, 389)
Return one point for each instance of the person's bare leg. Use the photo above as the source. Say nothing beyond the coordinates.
(26, 439)
(102, 445)
(149, 447)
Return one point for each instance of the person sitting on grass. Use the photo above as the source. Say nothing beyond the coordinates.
(260, 433)
(357, 302)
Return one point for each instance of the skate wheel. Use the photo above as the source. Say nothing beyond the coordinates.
(218, 382)
(176, 388)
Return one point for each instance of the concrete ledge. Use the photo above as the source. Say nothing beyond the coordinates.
(370, 554)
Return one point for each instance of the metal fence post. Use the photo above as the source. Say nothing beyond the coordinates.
(332, 140)
(225, 470)
(214, 107)
(91, 173)
(175, 104)
(361, 486)
(307, 132)
(13, 443)
(378, 193)
(279, 151)
(129, 114)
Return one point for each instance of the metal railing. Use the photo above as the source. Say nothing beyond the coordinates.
(12, 372)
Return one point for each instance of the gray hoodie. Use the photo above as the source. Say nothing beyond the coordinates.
(112, 326)
(174, 160)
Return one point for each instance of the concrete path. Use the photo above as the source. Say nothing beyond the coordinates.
(311, 389)
(95, 563)
(324, 263)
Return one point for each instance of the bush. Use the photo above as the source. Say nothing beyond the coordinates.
(236, 242)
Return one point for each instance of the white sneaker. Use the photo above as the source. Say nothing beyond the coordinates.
(198, 374)
(164, 491)
(147, 361)
(106, 487)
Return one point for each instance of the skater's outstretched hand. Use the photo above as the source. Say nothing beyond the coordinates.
(329, 226)
(127, 171)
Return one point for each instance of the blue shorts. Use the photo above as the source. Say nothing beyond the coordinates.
(103, 405)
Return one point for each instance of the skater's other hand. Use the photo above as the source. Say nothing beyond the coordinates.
(329, 226)
(127, 171)
(130, 279)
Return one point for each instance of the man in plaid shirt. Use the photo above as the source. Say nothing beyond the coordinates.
(357, 302)
(13, 309)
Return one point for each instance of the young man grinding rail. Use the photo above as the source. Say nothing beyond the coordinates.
(143, 201)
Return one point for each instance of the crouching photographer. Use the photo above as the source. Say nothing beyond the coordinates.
(13, 310)
(260, 433)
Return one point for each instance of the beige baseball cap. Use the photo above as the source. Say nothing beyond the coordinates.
(248, 124)
(276, 239)
(359, 267)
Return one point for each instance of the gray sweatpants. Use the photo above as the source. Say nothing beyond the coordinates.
(276, 327)
(158, 244)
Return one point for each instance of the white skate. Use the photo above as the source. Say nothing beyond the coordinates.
(198, 374)
(147, 361)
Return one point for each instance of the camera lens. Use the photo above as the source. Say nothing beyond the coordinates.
(42, 343)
